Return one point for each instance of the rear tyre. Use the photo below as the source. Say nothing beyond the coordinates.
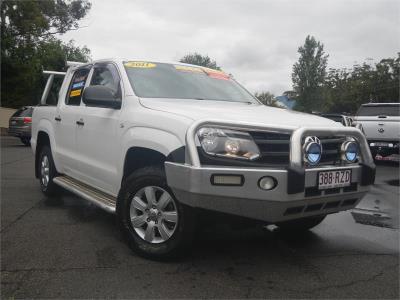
(47, 172)
(155, 224)
(300, 225)
(26, 141)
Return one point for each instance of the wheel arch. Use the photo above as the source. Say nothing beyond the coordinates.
(140, 157)
(144, 146)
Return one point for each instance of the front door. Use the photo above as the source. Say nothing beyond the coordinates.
(97, 140)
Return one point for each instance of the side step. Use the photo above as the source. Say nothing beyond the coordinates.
(101, 199)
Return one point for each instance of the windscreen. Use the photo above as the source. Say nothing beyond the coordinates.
(161, 80)
(379, 110)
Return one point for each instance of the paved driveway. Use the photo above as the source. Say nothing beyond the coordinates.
(74, 250)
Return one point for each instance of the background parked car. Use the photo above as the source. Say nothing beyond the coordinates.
(20, 124)
(381, 125)
(345, 120)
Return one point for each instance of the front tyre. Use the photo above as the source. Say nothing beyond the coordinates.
(26, 141)
(47, 172)
(156, 225)
(300, 225)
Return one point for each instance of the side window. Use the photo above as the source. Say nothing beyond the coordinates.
(107, 75)
(77, 84)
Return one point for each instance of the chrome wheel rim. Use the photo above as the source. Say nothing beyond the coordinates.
(154, 214)
(45, 170)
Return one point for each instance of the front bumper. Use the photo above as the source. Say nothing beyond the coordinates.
(296, 194)
(193, 187)
(385, 147)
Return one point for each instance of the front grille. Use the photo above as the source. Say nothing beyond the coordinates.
(274, 147)
(331, 150)
(275, 151)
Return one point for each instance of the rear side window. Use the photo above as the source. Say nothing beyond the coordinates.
(23, 112)
(77, 84)
(381, 110)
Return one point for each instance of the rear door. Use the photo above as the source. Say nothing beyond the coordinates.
(380, 122)
(98, 139)
(69, 112)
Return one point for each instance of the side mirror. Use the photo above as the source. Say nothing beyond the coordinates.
(100, 96)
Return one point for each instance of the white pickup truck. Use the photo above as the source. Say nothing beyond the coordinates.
(156, 143)
(381, 125)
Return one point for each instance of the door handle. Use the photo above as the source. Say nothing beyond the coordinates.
(58, 119)
(80, 122)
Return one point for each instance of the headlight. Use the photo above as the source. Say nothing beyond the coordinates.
(350, 151)
(228, 143)
(312, 150)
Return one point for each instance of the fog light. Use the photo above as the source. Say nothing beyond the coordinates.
(267, 183)
(220, 179)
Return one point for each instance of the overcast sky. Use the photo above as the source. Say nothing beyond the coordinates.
(254, 40)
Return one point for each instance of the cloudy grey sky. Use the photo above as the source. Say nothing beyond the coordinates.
(255, 40)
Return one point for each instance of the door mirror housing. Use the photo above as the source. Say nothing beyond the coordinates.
(100, 96)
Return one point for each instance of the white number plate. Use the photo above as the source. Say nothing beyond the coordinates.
(334, 179)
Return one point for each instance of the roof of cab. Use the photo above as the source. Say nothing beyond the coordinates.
(122, 60)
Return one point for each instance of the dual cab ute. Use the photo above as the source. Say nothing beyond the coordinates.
(381, 125)
(155, 143)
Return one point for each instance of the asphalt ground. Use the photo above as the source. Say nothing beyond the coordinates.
(72, 249)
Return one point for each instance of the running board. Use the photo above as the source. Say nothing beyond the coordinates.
(101, 199)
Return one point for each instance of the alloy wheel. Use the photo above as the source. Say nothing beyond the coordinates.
(45, 170)
(154, 214)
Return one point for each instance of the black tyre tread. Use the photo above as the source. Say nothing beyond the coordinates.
(52, 189)
(25, 141)
(177, 245)
(301, 225)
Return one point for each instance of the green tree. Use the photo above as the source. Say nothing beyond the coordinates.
(346, 89)
(200, 60)
(267, 98)
(28, 44)
(309, 74)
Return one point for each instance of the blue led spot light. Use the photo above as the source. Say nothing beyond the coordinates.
(312, 150)
(350, 151)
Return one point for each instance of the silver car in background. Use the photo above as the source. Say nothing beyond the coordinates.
(20, 124)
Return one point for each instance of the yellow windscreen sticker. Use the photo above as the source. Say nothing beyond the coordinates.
(139, 64)
(75, 93)
(188, 69)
